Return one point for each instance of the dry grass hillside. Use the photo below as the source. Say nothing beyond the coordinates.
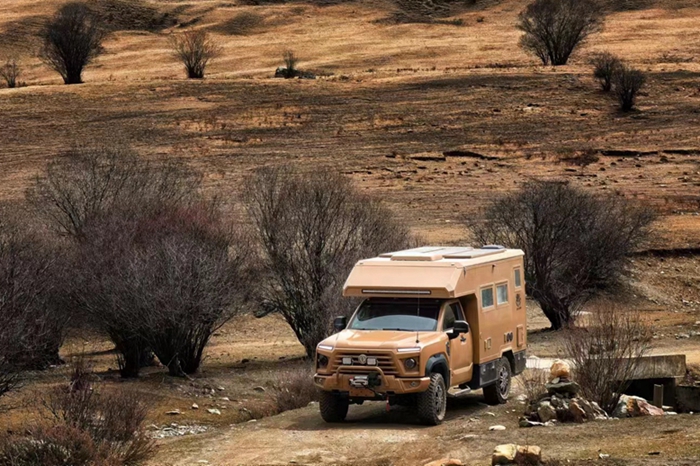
(427, 104)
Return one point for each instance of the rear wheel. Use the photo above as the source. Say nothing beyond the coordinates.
(498, 393)
(432, 403)
(333, 407)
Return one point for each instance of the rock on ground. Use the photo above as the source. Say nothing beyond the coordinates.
(516, 454)
(445, 462)
(560, 369)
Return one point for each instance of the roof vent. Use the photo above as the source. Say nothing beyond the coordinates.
(492, 246)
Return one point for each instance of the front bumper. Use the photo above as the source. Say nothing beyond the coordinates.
(389, 384)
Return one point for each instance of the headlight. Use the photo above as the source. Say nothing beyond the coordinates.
(322, 361)
(325, 347)
(408, 350)
(410, 364)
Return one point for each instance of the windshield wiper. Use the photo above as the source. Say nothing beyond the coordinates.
(399, 329)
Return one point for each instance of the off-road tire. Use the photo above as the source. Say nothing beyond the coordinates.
(431, 405)
(497, 393)
(333, 407)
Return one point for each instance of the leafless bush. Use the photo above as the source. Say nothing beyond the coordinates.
(181, 275)
(577, 245)
(113, 420)
(605, 67)
(312, 229)
(195, 49)
(553, 29)
(32, 320)
(290, 63)
(532, 382)
(295, 389)
(628, 83)
(607, 352)
(96, 189)
(53, 446)
(10, 72)
(72, 39)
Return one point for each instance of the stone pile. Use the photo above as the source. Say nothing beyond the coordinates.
(562, 401)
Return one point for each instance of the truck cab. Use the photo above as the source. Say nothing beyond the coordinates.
(431, 319)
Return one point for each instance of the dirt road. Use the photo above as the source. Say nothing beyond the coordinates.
(371, 436)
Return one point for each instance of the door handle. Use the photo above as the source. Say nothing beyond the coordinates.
(462, 339)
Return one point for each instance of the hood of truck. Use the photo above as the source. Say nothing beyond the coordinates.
(380, 339)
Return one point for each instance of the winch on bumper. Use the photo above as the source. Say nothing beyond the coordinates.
(368, 381)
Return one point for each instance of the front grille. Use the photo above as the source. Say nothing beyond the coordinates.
(385, 361)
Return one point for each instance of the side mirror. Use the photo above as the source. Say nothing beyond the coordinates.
(340, 323)
(461, 326)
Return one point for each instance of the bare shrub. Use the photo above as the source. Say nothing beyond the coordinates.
(290, 63)
(607, 352)
(72, 39)
(195, 49)
(532, 382)
(628, 83)
(10, 72)
(58, 445)
(81, 188)
(32, 321)
(295, 389)
(312, 229)
(181, 274)
(553, 29)
(605, 67)
(577, 245)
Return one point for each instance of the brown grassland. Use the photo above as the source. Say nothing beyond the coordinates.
(436, 119)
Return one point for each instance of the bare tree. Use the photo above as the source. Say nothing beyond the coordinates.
(312, 229)
(553, 29)
(290, 63)
(195, 49)
(577, 245)
(72, 39)
(605, 68)
(607, 352)
(10, 72)
(628, 83)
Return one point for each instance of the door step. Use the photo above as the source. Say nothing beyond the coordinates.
(459, 392)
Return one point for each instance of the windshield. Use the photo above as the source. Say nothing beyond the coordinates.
(411, 315)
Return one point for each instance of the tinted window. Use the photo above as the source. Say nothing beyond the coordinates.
(487, 297)
(502, 294)
(517, 278)
(397, 314)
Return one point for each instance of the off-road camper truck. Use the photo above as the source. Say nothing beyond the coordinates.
(432, 318)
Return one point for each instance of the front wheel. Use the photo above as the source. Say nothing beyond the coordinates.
(498, 392)
(432, 403)
(333, 407)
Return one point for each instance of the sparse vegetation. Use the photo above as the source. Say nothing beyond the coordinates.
(295, 389)
(553, 29)
(312, 229)
(628, 83)
(242, 24)
(83, 425)
(606, 353)
(577, 245)
(605, 68)
(195, 49)
(10, 72)
(532, 382)
(290, 63)
(72, 39)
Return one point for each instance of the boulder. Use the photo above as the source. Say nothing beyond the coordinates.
(563, 388)
(528, 454)
(634, 406)
(504, 454)
(560, 369)
(578, 414)
(546, 412)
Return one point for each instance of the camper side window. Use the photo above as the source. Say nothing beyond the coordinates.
(486, 297)
(518, 283)
(502, 294)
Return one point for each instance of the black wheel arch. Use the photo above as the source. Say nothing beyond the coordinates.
(438, 363)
